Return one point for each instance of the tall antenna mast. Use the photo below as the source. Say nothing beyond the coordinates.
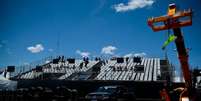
(58, 44)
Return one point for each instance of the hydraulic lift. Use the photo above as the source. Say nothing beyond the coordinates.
(175, 20)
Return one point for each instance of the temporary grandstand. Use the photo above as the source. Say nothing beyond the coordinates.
(116, 68)
(84, 75)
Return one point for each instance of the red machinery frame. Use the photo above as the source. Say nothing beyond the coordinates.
(175, 20)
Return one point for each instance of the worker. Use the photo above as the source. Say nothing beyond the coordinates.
(127, 60)
(86, 62)
(164, 95)
(81, 65)
(96, 59)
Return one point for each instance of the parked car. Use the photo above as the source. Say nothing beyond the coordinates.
(111, 93)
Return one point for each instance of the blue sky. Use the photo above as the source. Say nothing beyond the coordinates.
(30, 29)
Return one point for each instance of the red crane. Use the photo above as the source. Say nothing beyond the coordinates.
(175, 20)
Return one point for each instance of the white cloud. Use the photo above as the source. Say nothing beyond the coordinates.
(132, 5)
(36, 49)
(128, 55)
(108, 50)
(135, 54)
(140, 54)
(47, 61)
(83, 54)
